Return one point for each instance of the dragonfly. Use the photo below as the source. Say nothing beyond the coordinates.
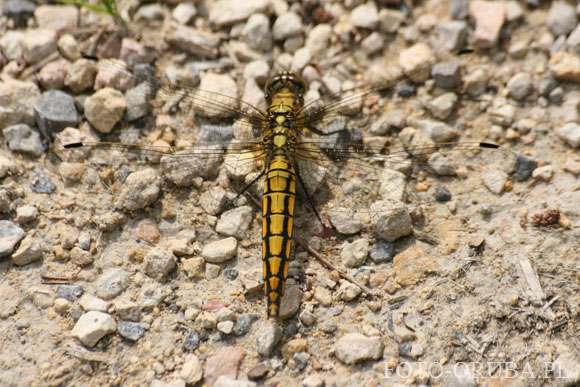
(290, 151)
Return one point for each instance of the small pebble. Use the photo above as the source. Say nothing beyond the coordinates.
(354, 348)
(130, 330)
(191, 341)
(93, 326)
(268, 335)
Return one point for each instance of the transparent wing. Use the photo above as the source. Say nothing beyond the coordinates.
(138, 83)
(329, 111)
(378, 187)
(136, 176)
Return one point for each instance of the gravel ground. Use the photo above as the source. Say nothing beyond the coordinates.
(475, 274)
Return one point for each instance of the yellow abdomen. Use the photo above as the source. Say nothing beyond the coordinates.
(278, 218)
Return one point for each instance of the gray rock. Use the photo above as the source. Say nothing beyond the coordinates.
(475, 83)
(25, 214)
(23, 139)
(191, 371)
(191, 341)
(69, 292)
(159, 264)
(323, 296)
(105, 108)
(373, 43)
(256, 32)
(390, 220)
(6, 199)
(494, 179)
(442, 106)
(38, 44)
(313, 381)
(149, 12)
(329, 326)
(257, 70)
(220, 251)
(518, 49)
(570, 133)
(42, 184)
(196, 42)
(307, 318)
(220, 84)
(57, 17)
(138, 101)
(447, 75)
(140, 190)
(244, 324)
(10, 235)
(436, 130)
(213, 200)
(112, 283)
(301, 359)
(573, 41)
(452, 35)
(458, 8)
(225, 327)
(348, 291)
(365, 15)
(416, 61)
(344, 221)
(318, 39)
(382, 252)
(7, 168)
(17, 99)
(130, 330)
(235, 222)
(19, 11)
(302, 58)
(151, 296)
(10, 300)
(28, 251)
(92, 327)
(128, 310)
(226, 381)
(69, 47)
(544, 173)
(390, 20)
(184, 13)
(546, 84)
(227, 12)
(54, 111)
(114, 74)
(91, 303)
(524, 167)
(287, 25)
(42, 296)
(561, 18)
(81, 257)
(354, 348)
(290, 303)
(442, 194)
(53, 74)
(354, 254)
(81, 75)
(520, 86)
(503, 115)
(268, 335)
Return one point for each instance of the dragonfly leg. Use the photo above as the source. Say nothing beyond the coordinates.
(244, 190)
(308, 197)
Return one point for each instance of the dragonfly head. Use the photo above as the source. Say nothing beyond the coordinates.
(285, 84)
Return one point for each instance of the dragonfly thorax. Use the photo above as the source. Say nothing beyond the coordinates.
(285, 91)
